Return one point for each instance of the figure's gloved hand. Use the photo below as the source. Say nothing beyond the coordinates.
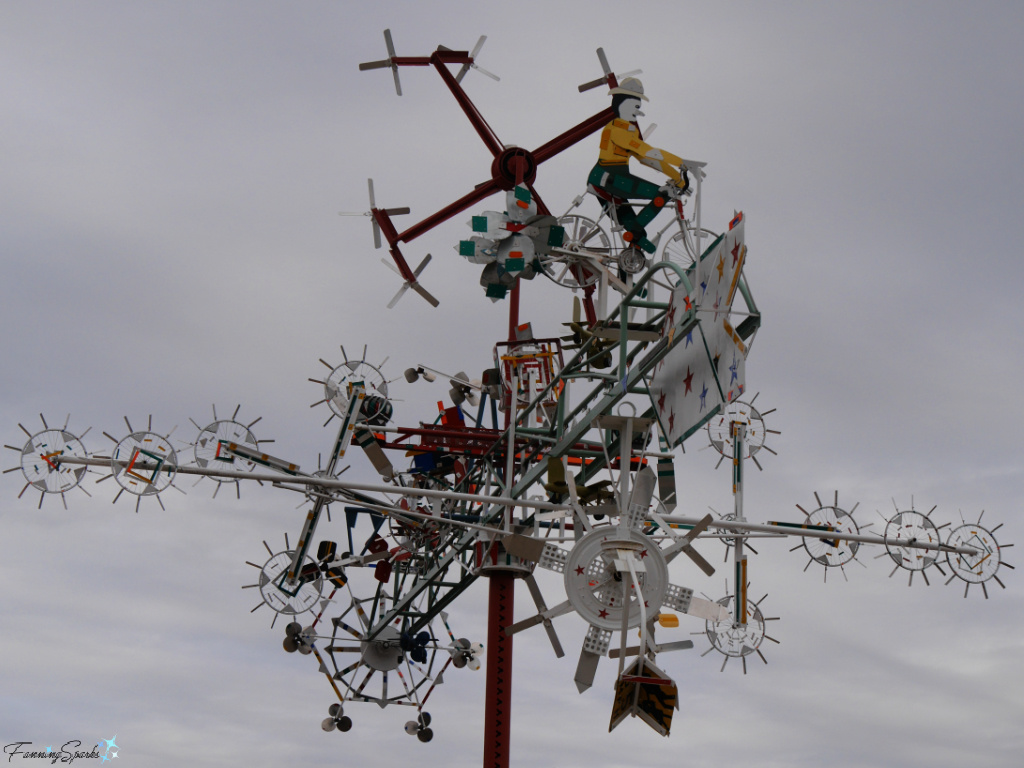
(684, 187)
(674, 190)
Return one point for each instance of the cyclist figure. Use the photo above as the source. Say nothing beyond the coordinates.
(615, 185)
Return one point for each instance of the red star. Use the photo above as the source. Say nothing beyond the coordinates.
(603, 614)
(661, 402)
(643, 554)
(735, 252)
(688, 380)
(689, 304)
(579, 570)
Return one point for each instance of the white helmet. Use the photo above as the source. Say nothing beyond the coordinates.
(629, 87)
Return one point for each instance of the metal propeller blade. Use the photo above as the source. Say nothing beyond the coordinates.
(473, 65)
(594, 647)
(391, 57)
(634, 650)
(533, 621)
(542, 608)
(606, 68)
(414, 284)
(682, 543)
(388, 62)
(639, 501)
(373, 205)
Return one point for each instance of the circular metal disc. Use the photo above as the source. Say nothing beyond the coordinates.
(594, 585)
(973, 568)
(144, 463)
(40, 461)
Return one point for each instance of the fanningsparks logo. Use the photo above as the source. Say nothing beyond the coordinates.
(104, 750)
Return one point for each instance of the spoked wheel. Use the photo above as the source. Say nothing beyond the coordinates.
(681, 249)
(581, 235)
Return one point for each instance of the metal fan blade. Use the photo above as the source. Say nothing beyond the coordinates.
(541, 618)
(632, 650)
(373, 206)
(542, 608)
(523, 547)
(682, 543)
(483, 71)
(472, 55)
(699, 528)
(374, 65)
(519, 626)
(423, 265)
(639, 501)
(391, 55)
(478, 46)
(592, 84)
(399, 295)
(708, 610)
(604, 61)
(586, 669)
(677, 645)
(697, 558)
(425, 294)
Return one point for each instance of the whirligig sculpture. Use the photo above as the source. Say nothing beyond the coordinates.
(559, 455)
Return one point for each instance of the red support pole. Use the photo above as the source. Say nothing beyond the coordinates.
(498, 705)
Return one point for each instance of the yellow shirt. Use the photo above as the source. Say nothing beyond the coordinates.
(621, 140)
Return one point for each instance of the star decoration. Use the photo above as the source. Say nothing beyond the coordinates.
(721, 266)
(603, 614)
(579, 570)
(703, 396)
(735, 252)
(688, 380)
(670, 318)
(661, 402)
(689, 340)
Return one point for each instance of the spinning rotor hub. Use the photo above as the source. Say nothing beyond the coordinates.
(513, 166)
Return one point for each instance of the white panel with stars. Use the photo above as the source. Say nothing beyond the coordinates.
(707, 367)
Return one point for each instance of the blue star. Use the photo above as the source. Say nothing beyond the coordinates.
(703, 395)
(689, 340)
(732, 369)
(111, 743)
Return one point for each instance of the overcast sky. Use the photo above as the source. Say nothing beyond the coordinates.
(170, 179)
